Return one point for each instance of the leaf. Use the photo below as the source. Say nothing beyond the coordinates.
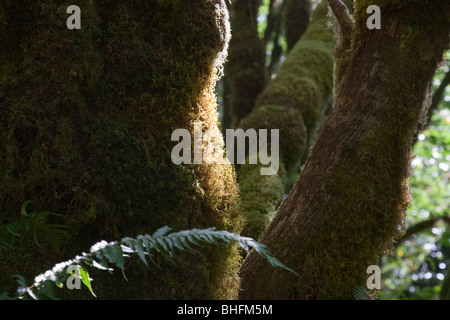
(5, 296)
(46, 289)
(20, 280)
(86, 280)
(361, 293)
(187, 246)
(140, 251)
(126, 249)
(8, 228)
(23, 208)
(195, 241)
(115, 255)
(161, 232)
(162, 242)
(31, 294)
(97, 265)
(103, 260)
(178, 244)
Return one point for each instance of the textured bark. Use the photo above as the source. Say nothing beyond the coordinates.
(349, 202)
(295, 103)
(85, 131)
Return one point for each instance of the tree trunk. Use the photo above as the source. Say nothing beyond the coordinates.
(86, 122)
(296, 18)
(349, 202)
(246, 67)
(295, 103)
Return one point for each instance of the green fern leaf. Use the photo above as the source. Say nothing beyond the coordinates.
(361, 293)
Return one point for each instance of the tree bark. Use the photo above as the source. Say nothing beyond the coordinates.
(86, 118)
(246, 67)
(296, 15)
(295, 103)
(350, 199)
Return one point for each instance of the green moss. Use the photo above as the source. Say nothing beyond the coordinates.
(295, 103)
(351, 198)
(292, 140)
(88, 117)
(304, 82)
(372, 216)
(261, 196)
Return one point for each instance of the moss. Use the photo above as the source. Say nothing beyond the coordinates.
(350, 201)
(295, 102)
(372, 216)
(368, 222)
(245, 69)
(87, 120)
(292, 130)
(261, 196)
(304, 82)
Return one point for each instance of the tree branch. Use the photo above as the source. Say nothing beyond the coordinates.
(438, 95)
(435, 101)
(343, 17)
(422, 226)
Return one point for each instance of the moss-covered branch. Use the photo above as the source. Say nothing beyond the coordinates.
(295, 103)
(345, 20)
(349, 203)
(86, 118)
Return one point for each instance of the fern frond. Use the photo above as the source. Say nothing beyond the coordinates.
(102, 254)
(33, 226)
(361, 293)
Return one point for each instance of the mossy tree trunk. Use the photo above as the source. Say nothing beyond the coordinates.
(350, 199)
(86, 118)
(295, 103)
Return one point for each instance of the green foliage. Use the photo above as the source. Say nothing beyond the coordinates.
(86, 124)
(419, 265)
(361, 293)
(103, 254)
(31, 227)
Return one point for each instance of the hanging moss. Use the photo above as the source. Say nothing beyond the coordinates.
(87, 117)
(296, 14)
(246, 62)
